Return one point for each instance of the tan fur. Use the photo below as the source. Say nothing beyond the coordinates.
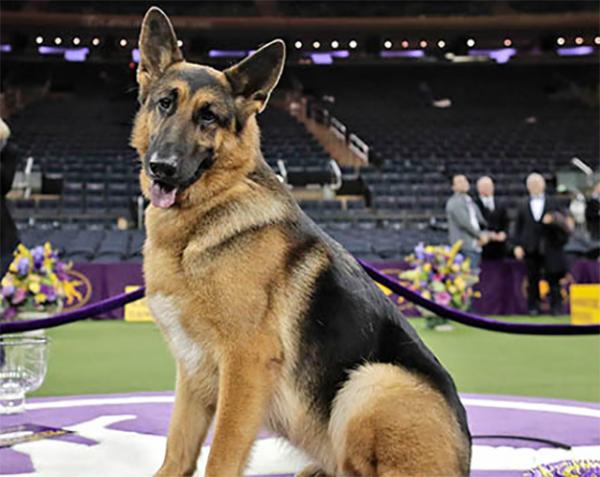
(230, 309)
(387, 422)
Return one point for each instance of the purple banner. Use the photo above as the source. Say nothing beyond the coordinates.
(503, 284)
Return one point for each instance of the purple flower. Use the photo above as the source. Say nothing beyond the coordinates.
(23, 266)
(9, 313)
(38, 257)
(459, 258)
(49, 291)
(19, 296)
(8, 290)
(420, 251)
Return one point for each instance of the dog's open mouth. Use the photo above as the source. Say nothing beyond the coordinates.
(162, 195)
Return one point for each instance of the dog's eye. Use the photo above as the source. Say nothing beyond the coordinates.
(165, 103)
(206, 116)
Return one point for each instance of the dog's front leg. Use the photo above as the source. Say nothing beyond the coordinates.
(195, 403)
(246, 380)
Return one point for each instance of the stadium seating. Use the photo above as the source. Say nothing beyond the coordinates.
(503, 121)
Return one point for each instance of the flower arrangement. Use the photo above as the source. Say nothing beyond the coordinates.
(441, 274)
(37, 281)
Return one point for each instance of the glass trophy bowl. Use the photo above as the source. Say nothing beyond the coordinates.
(23, 365)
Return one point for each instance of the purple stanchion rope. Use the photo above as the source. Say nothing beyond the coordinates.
(474, 320)
(445, 312)
(82, 313)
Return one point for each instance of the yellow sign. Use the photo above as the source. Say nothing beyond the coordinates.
(585, 304)
(138, 310)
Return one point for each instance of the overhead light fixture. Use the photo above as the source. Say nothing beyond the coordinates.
(579, 40)
(404, 44)
(353, 44)
(123, 42)
(387, 44)
(76, 40)
(470, 42)
(507, 42)
(441, 44)
(179, 43)
(39, 40)
(316, 45)
(58, 40)
(335, 44)
(423, 44)
(298, 44)
(560, 41)
(95, 41)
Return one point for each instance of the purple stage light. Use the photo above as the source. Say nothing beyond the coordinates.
(227, 53)
(69, 54)
(576, 51)
(402, 54)
(6, 48)
(321, 58)
(76, 54)
(135, 55)
(500, 55)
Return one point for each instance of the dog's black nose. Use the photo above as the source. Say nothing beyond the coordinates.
(162, 169)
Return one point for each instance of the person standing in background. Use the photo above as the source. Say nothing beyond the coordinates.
(9, 238)
(465, 221)
(496, 216)
(541, 233)
(592, 213)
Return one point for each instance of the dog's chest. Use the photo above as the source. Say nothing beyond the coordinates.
(168, 315)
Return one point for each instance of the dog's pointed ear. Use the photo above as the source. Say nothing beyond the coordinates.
(158, 47)
(253, 79)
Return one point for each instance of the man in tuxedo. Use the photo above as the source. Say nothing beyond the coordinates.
(496, 217)
(540, 236)
(592, 213)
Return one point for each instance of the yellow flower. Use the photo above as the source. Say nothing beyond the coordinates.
(40, 297)
(34, 287)
(34, 278)
(426, 294)
(427, 267)
(47, 249)
(454, 250)
(460, 283)
(452, 289)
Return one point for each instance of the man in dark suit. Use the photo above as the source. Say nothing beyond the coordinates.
(592, 213)
(496, 216)
(541, 233)
(8, 165)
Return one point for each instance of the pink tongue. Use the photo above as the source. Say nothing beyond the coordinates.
(160, 197)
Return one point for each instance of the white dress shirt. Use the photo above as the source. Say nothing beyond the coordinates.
(488, 202)
(536, 204)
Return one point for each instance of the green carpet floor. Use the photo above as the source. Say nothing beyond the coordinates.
(110, 357)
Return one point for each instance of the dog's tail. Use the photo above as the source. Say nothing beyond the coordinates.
(389, 422)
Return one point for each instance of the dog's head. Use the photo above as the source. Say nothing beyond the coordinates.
(194, 119)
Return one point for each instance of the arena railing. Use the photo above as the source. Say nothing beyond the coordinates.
(465, 318)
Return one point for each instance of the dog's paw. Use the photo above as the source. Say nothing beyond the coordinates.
(312, 471)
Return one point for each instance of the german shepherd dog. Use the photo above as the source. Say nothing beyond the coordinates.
(270, 321)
